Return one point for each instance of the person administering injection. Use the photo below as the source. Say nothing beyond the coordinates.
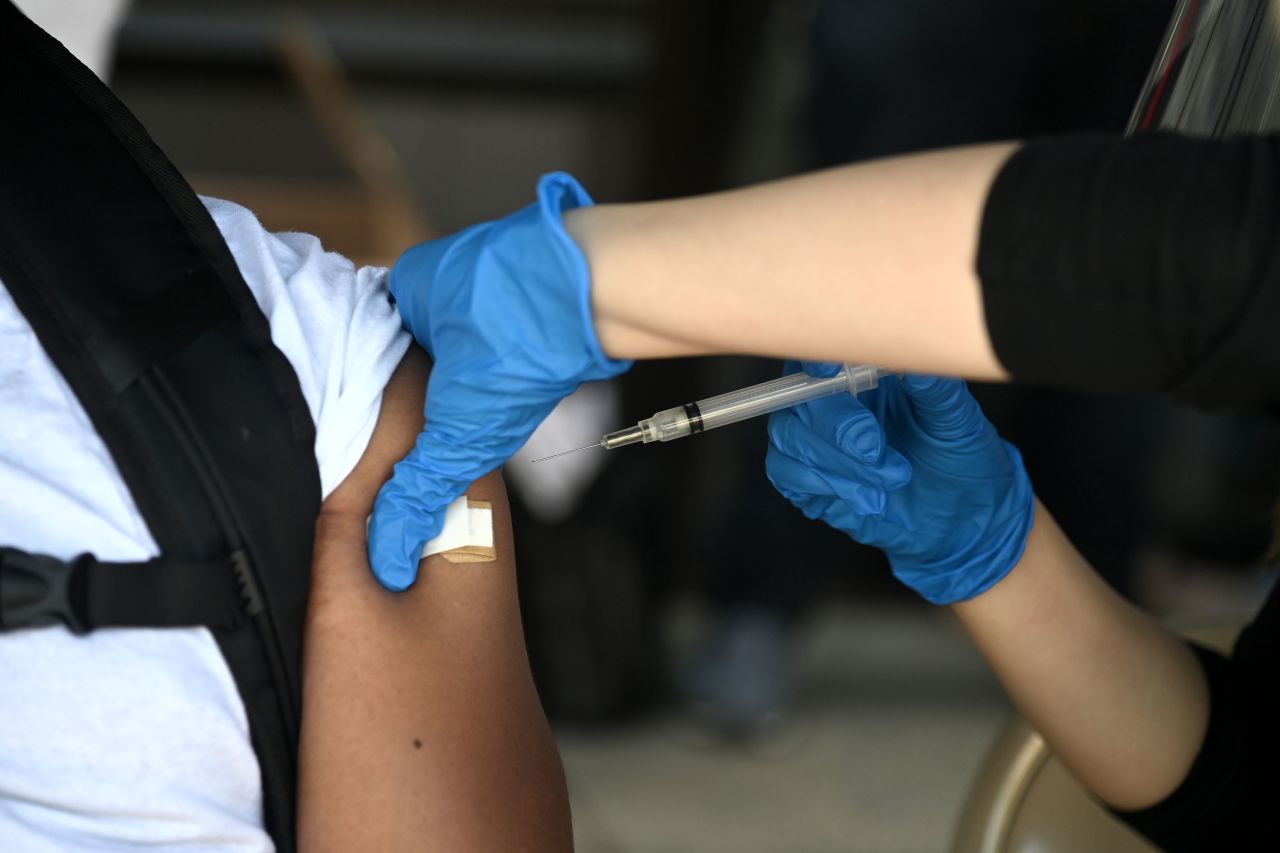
(933, 264)
(1094, 263)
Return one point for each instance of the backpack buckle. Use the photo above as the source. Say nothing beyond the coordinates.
(38, 590)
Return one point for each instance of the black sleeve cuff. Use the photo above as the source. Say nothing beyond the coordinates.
(1230, 796)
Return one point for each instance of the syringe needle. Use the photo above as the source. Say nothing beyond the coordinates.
(567, 452)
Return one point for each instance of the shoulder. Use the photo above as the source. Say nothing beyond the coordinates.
(333, 321)
(283, 254)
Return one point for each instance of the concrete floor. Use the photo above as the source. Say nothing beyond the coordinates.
(892, 713)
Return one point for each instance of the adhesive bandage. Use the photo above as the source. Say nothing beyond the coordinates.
(467, 535)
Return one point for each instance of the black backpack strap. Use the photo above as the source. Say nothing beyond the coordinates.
(133, 293)
(85, 594)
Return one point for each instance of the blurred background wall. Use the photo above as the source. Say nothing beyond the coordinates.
(723, 674)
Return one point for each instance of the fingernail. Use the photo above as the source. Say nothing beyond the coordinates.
(867, 444)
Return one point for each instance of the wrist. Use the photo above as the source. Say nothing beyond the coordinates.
(976, 563)
(594, 230)
(624, 256)
(559, 197)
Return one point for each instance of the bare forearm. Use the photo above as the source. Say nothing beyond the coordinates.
(1121, 701)
(873, 262)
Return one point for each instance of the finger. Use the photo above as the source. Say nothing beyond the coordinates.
(398, 531)
(943, 406)
(813, 491)
(847, 424)
(409, 510)
(856, 440)
(849, 448)
(861, 437)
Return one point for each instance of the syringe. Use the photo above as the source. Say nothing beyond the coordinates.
(692, 418)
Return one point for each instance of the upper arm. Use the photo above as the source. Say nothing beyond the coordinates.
(421, 728)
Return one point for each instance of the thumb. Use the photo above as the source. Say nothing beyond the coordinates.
(943, 406)
(409, 512)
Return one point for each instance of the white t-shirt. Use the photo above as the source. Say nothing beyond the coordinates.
(126, 737)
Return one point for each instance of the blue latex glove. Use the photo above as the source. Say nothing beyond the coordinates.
(913, 468)
(504, 309)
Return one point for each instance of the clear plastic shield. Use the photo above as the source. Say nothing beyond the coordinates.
(1218, 72)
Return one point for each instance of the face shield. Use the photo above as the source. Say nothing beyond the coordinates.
(1217, 73)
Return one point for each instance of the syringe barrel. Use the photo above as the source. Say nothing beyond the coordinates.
(778, 394)
(765, 398)
(746, 403)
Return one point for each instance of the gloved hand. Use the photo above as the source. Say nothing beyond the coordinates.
(504, 309)
(913, 468)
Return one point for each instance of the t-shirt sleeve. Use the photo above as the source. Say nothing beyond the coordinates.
(333, 321)
(1147, 263)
